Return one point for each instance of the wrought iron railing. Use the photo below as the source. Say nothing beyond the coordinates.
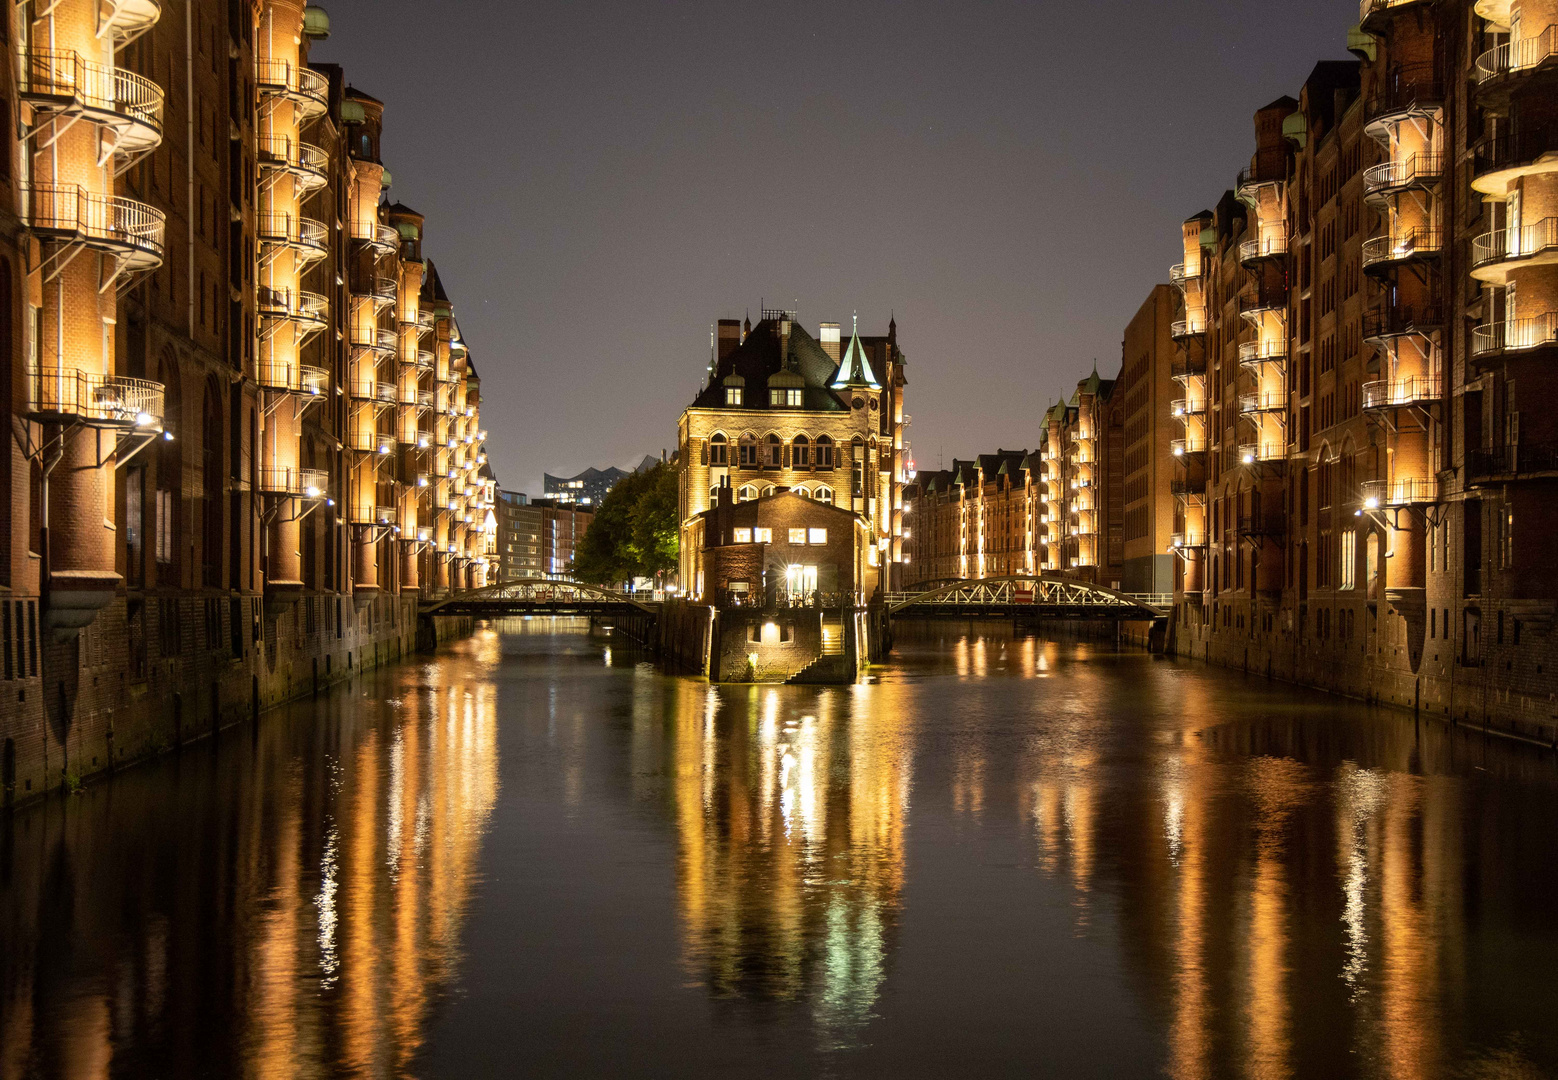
(1408, 244)
(301, 233)
(285, 152)
(1391, 393)
(1514, 335)
(294, 378)
(1273, 243)
(1515, 57)
(107, 219)
(1260, 352)
(96, 399)
(1255, 452)
(1188, 327)
(303, 483)
(1400, 491)
(1501, 245)
(1423, 167)
(308, 88)
(1395, 319)
(1512, 460)
(1262, 402)
(297, 304)
(1515, 149)
(96, 87)
(1408, 88)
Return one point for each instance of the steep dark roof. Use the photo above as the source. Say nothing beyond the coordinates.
(759, 357)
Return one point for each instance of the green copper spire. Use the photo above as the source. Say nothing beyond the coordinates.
(855, 369)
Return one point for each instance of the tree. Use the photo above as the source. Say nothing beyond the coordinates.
(634, 533)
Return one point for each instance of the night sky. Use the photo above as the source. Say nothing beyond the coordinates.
(603, 181)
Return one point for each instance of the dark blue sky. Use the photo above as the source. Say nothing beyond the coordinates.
(604, 180)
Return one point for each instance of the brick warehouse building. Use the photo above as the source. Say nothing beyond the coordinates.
(246, 426)
(1363, 478)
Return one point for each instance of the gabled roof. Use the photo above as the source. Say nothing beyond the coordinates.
(765, 354)
(855, 369)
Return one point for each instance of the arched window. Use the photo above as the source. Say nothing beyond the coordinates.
(825, 495)
(748, 493)
(824, 452)
(211, 489)
(714, 495)
(803, 492)
(770, 490)
(747, 449)
(800, 452)
(775, 455)
(170, 477)
(719, 450)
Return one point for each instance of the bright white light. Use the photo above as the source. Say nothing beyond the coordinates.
(1248, 459)
(312, 492)
(1371, 503)
(143, 419)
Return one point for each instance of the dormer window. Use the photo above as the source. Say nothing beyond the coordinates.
(732, 395)
(789, 397)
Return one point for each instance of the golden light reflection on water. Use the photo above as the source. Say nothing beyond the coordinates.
(790, 808)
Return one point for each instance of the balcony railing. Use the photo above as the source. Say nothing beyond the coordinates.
(1398, 393)
(1396, 320)
(1401, 491)
(1409, 244)
(1187, 367)
(1515, 335)
(293, 378)
(372, 337)
(1255, 452)
(1188, 446)
(299, 306)
(1262, 299)
(1186, 406)
(128, 19)
(1274, 350)
(425, 359)
(1374, 9)
(1181, 274)
(1519, 57)
(1184, 328)
(308, 164)
(106, 401)
(380, 291)
(1507, 245)
(308, 237)
(130, 104)
(299, 483)
(368, 390)
(1512, 461)
(1269, 246)
(72, 213)
(308, 90)
(1269, 167)
(1408, 89)
(1255, 404)
(1187, 489)
(1512, 151)
(1186, 540)
(1421, 169)
(1266, 521)
(382, 238)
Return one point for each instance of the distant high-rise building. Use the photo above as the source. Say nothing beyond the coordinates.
(589, 487)
(537, 538)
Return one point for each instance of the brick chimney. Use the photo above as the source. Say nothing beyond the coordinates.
(729, 337)
(828, 338)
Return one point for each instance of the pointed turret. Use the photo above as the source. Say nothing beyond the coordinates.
(855, 369)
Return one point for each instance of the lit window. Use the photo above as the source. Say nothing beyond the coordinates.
(732, 395)
(824, 495)
(742, 536)
(803, 493)
(762, 536)
(770, 490)
(817, 536)
(748, 493)
(797, 536)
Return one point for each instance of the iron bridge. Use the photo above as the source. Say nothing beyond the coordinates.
(1050, 596)
(538, 596)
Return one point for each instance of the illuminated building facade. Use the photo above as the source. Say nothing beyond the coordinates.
(247, 427)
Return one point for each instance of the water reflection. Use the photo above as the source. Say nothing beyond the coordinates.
(289, 906)
(790, 806)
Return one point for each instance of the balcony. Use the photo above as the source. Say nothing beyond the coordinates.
(369, 441)
(1407, 91)
(383, 239)
(1497, 163)
(1502, 463)
(308, 309)
(1187, 367)
(65, 395)
(1494, 254)
(1186, 541)
(1420, 170)
(1373, 14)
(1269, 169)
(1403, 491)
(423, 322)
(127, 20)
(1181, 274)
(309, 239)
(1182, 329)
(1493, 340)
(424, 359)
(1410, 245)
(1399, 320)
(293, 379)
(1273, 245)
(69, 214)
(1184, 488)
(126, 105)
(1401, 393)
(295, 483)
(1260, 404)
(373, 339)
(379, 292)
(309, 166)
(1500, 68)
(307, 90)
(370, 390)
(1261, 452)
(1266, 521)
(1263, 300)
(1187, 406)
(1188, 447)
(1255, 353)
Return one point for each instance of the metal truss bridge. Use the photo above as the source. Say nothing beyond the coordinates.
(538, 596)
(1049, 596)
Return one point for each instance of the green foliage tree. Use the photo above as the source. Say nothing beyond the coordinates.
(634, 533)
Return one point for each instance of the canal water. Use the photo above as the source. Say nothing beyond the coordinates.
(536, 855)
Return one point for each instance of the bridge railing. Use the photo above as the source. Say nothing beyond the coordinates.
(1055, 592)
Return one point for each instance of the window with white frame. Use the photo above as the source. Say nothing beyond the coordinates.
(1349, 559)
(719, 450)
(762, 536)
(816, 536)
(823, 495)
(732, 395)
(797, 536)
(741, 536)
